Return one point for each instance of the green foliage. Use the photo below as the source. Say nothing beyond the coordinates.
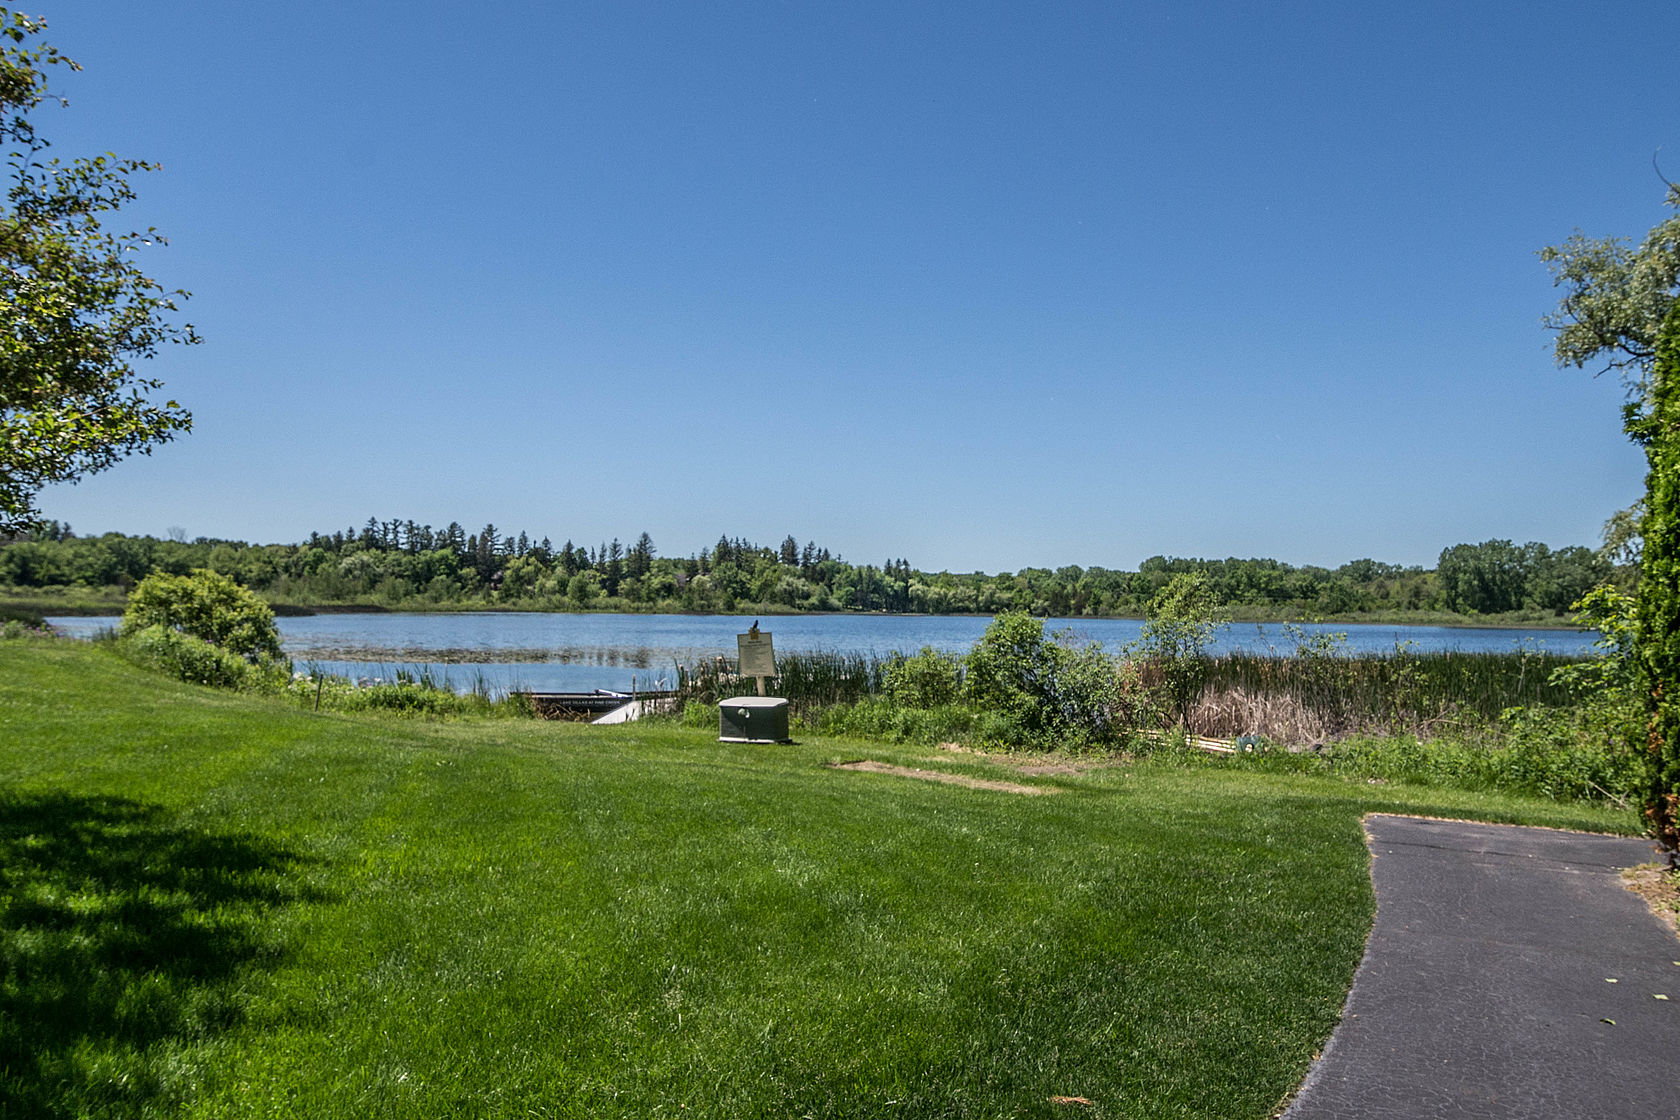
(1657, 636)
(192, 659)
(404, 565)
(1012, 669)
(79, 311)
(1614, 301)
(1545, 754)
(930, 679)
(885, 721)
(1613, 670)
(583, 589)
(1183, 619)
(21, 622)
(208, 606)
(408, 694)
(1056, 694)
(1497, 576)
(1580, 752)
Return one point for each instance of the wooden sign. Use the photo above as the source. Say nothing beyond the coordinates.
(757, 656)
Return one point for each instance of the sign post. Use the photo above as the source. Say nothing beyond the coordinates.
(757, 655)
(754, 719)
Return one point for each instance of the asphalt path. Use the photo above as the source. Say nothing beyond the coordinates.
(1509, 974)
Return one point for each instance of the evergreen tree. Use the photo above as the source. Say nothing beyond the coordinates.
(640, 561)
(485, 555)
(1657, 638)
(614, 573)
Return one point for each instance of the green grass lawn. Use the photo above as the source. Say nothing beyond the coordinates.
(217, 906)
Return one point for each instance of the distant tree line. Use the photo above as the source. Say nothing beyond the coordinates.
(399, 563)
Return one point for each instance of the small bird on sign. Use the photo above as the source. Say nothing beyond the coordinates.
(753, 629)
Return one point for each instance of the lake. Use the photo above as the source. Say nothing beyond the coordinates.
(579, 652)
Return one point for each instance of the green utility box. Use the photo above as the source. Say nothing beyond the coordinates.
(753, 719)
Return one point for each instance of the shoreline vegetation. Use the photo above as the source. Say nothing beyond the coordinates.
(1525, 721)
(401, 566)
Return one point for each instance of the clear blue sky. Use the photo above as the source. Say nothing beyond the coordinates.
(983, 286)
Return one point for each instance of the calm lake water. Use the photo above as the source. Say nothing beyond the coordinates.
(579, 652)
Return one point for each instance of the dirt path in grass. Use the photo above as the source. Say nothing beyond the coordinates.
(1036, 766)
(873, 767)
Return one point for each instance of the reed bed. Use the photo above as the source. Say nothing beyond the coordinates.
(1313, 698)
(810, 681)
(1310, 698)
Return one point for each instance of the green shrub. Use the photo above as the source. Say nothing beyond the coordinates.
(25, 615)
(411, 694)
(1052, 692)
(1183, 618)
(1657, 640)
(409, 698)
(881, 719)
(1545, 753)
(192, 659)
(22, 622)
(930, 679)
(205, 605)
(1012, 669)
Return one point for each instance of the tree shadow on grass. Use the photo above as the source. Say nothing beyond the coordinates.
(124, 939)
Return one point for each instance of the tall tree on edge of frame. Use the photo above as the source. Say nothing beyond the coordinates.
(78, 311)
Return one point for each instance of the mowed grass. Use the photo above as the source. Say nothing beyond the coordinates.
(221, 907)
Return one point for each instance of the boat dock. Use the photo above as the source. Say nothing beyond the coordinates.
(595, 706)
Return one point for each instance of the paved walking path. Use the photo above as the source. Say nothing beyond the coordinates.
(1486, 987)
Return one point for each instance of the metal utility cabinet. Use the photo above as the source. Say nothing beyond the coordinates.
(753, 719)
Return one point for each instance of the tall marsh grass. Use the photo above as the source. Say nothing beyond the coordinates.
(809, 681)
(1316, 697)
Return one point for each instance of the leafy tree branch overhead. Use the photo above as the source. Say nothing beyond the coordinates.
(1619, 306)
(79, 312)
(1614, 300)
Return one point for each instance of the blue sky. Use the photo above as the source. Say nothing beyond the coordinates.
(983, 286)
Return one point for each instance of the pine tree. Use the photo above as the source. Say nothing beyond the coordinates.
(614, 574)
(641, 557)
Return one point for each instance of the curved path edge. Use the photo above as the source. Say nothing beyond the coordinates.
(1508, 974)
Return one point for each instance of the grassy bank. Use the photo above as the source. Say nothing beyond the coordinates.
(221, 906)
